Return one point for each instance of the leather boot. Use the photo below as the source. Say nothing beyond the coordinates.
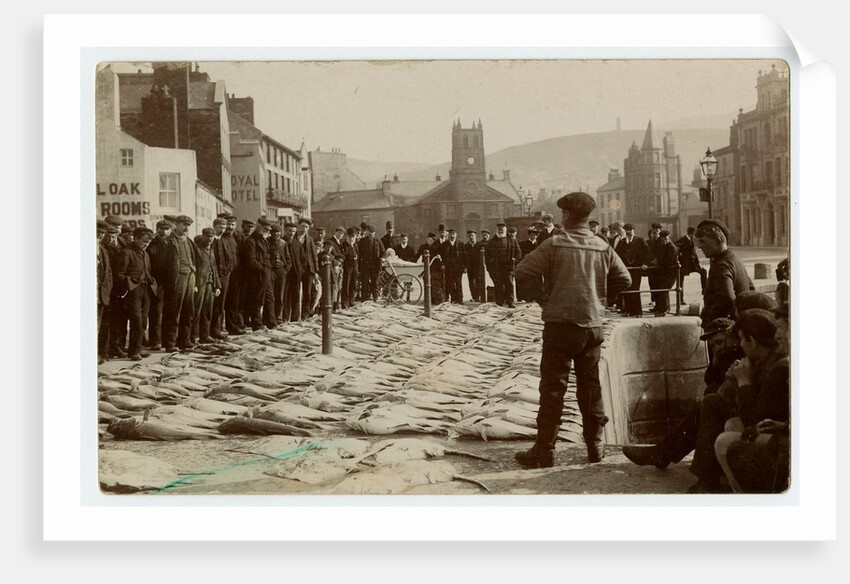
(536, 457)
(646, 455)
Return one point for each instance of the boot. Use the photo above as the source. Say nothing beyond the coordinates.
(536, 457)
(595, 451)
(646, 455)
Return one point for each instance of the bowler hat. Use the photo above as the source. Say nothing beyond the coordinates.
(714, 223)
(718, 325)
(578, 202)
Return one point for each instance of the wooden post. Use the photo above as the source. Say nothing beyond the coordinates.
(483, 274)
(426, 278)
(327, 307)
(680, 290)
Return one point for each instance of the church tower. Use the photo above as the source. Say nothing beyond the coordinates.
(467, 174)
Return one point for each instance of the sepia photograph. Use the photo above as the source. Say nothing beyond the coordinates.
(444, 277)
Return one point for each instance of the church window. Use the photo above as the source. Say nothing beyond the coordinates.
(466, 141)
(477, 142)
(451, 211)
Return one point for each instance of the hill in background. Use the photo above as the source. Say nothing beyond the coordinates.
(568, 162)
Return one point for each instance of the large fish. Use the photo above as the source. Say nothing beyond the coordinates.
(399, 478)
(241, 389)
(244, 425)
(132, 429)
(129, 403)
(491, 428)
(122, 471)
(216, 407)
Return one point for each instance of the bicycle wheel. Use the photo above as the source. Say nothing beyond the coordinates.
(383, 284)
(406, 289)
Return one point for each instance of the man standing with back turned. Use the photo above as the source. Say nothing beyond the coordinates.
(580, 270)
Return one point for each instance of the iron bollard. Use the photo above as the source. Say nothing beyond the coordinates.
(327, 306)
(680, 291)
(426, 277)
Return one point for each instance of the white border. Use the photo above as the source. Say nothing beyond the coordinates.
(67, 518)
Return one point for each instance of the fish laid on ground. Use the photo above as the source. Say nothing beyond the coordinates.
(488, 428)
(398, 478)
(329, 460)
(108, 408)
(274, 415)
(129, 403)
(244, 425)
(295, 410)
(132, 429)
(326, 402)
(216, 407)
(373, 422)
(123, 471)
(223, 370)
(240, 389)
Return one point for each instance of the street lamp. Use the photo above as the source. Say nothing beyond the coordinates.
(709, 169)
(529, 201)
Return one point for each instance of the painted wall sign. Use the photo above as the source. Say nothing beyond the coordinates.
(119, 189)
(242, 187)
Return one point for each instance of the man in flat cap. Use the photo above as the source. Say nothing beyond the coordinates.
(255, 271)
(155, 251)
(527, 246)
(727, 276)
(501, 256)
(272, 305)
(104, 278)
(474, 265)
(136, 285)
(664, 262)
(350, 274)
(112, 334)
(224, 262)
(548, 228)
(229, 248)
(389, 239)
(579, 268)
(634, 252)
(208, 285)
(305, 269)
(689, 260)
(180, 287)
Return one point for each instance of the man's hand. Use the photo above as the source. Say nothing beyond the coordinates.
(771, 427)
(196, 288)
(217, 291)
(742, 369)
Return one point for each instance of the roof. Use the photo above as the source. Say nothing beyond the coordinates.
(413, 190)
(650, 139)
(244, 126)
(202, 95)
(504, 187)
(618, 184)
(352, 200)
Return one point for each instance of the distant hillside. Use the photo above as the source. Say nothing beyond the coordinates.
(568, 162)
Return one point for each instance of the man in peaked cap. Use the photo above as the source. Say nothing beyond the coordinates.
(109, 343)
(155, 251)
(474, 265)
(134, 278)
(104, 279)
(208, 286)
(727, 276)
(179, 300)
(256, 267)
(578, 267)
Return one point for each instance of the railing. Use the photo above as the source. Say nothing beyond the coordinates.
(279, 196)
(676, 287)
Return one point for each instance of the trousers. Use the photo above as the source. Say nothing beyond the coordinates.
(566, 344)
(179, 310)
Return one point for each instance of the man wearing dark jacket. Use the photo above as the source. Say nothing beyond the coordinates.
(635, 254)
(180, 286)
(369, 251)
(727, 276)
(156, 252)
(404, 250)
(579, 268)
(501, 255)
(275, 276)
(305, 268)
(664, 262)
(224, 249)
(104, 278)
(350, 274)
(474, 266)
(255, 271)
(689, 260)
(454, 258)
(136, 284)
(208, 285)
(389, 239)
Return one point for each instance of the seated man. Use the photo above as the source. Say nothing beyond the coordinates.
(754, 452)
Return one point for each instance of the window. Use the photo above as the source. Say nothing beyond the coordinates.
(451, 211)
(169, 190)
(268, 154)
(466, 141)
(126, 157)
(275, 157)
(658, 208)
(778, 171)
(657, 179)
(269, 179)
(768, 170)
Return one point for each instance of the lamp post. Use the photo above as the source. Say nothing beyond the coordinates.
(709, 168)
(529, 201)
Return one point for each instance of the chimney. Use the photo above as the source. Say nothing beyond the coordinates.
(439, 178)
(491, 177)
(506, 175)
(395, 177)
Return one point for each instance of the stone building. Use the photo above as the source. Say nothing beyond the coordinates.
(142, 183)
(330, 174)
(610, 198)
(471, 197)
(653, 181)
(761, 142)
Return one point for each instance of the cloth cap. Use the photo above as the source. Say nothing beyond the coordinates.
(546, 216)
(170, 218)
(593, 222)
(452, 230)
(208, 231)
(655, 226)
(389, 224)
(432, 235)
(263, 222)
(628, 226)
(306, 220)
(102, 225)
(441, 227)
(126, 229)
(578, 202)
(371, 228)
(470, 231)
(275, 227)
(164, 224)
(718, 325)
(501, 222)
(339, 228)
(140, 231)
(664, 233)
(114, 220)
(113, 229)
(716, 223)
(219, 221)
(539, 225)
(487, 231)
(352, 231)
(247, 222)
(223, 216)
(184, 219)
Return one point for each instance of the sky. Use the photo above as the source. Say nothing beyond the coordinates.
(403, 111)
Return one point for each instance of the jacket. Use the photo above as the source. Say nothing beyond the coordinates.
(499, 252)
(405, 253)
(207, 268)
(580, 271)
(769, 395)
(304, 256)
(370, 250)
(727, 277)
(634, 254)
(255, 255)
(134, 270)
(104, 276)
(226, 250)
(454, 257)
